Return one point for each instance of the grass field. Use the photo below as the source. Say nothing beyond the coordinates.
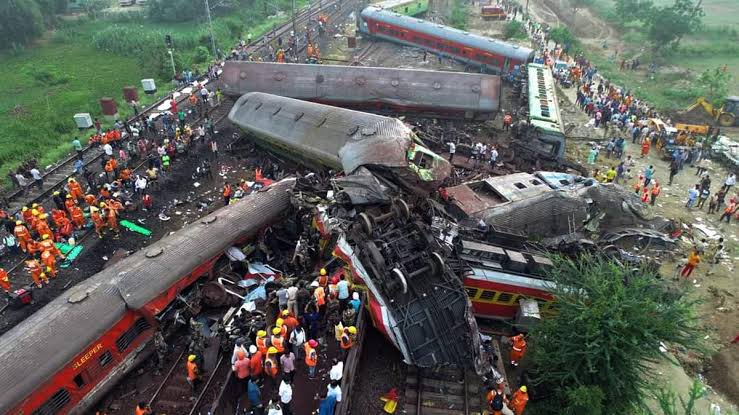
(66, 73)
(674, 87)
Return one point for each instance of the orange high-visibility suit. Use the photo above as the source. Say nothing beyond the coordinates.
(64, 228)
(518, 349)
(278, 343)
(78, 217)
(90, 200)
(98, 221)
(56, 216)
(75, 190)
(49, 260)
(519, 401)
(23, 236)
(69, 204)
(255, 364)
(42, 227)
(311, 356)
(26, 214)
(49, 245)
(262, 344)
(37, 273)
(4, 280)
(112, 217)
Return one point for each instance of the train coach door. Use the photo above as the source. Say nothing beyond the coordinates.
(506, 63)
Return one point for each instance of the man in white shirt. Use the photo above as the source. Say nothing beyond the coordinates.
(108, 150)
(38, 180)
(452, 150)
(334, 389)
(337, 370)
(286, 396)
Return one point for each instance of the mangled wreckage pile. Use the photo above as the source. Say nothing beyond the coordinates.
(426, 252)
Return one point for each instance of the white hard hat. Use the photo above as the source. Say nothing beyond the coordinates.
(252, 349)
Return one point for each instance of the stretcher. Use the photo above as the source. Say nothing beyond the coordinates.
(135, 228)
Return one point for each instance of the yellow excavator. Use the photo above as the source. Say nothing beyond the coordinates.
(726, 116)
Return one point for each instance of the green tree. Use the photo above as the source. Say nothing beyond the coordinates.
(630, 10)
(667, 25)
(667, 400)
(21, 21)
(514, 30)
(716, 81)
(563, 36)
(606, 333)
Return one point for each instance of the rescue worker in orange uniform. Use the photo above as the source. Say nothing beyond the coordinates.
(311, 357)
(97, 220)
(22, 235)
(37, 273)
(112, 218)
(4, 281)
(277, 341)
(49, 261)
(69, 204)
(90, 200)
(280, 56)
(78, 217)
(42, 226)
(34, 219)
(193, 373)
(255, 362)
(64, 227)
(143, 408)
(33, 248)
(56, 216)
(271, 368)
(262, 342)
(47, 244)
(75, 190)
(26, 214)
(227, 193)
(519, 400)
(347, 341)
(518, 349)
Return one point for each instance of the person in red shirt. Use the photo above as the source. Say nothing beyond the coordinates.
(518, 349)
(241, 368)
(255, 362)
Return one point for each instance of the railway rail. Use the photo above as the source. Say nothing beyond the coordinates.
(218, 114)
(444, 392)
(57, 176)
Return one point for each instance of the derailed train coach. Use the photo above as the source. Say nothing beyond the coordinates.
(488, 54)
(67, 355)
(322, 136)
(425, 93)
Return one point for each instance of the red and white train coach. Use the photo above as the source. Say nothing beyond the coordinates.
(490, 54)
(67, 355)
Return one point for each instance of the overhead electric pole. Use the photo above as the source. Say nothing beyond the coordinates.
(210, 29)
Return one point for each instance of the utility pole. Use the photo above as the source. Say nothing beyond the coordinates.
(210, 29)
(171, 60)
(292, 6)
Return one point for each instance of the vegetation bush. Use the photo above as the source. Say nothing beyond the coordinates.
(514, 30)
(201, 55)
(458, 16)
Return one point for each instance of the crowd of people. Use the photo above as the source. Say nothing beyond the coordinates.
(309, 316)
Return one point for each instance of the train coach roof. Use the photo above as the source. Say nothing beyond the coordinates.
(359, 84)
(470, 39)
(49, 339)
(340, 137)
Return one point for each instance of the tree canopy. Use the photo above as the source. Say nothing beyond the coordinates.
(716, 82)
(667, 25)
(21, 21)
(597, 349)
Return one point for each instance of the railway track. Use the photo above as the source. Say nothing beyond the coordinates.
(174, 395)
(56, 177)
(364, 53)
(217, 114)
(444, 392)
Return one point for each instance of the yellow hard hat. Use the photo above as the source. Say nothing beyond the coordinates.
(69, 196)
(45, 236)
(43, 216)
(43, 274)
(272, 350)
(352, 330)
(191, 358)
(276, 331)
(34, 206)
(279, 322)
(261, 333)
(524, 389)
(285, 313)
(34, 212)
(323, 271)
(102, 204)
(56, 193)
(24, 208)
(18, 222)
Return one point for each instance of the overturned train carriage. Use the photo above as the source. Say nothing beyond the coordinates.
(383, 90)
(67, 355)
(328, 137)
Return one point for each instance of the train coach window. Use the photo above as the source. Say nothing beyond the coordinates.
(471, 292)
(105, 358)
(506, 298)
(55, 404)
(487, 295)
(79, 381)
(130, 335)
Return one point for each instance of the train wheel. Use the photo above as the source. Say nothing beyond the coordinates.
(402, 209)
(398, 275)
(437, 263)
(365, 221)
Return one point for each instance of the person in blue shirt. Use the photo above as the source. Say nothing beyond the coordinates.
(255, 396)
(342, 287)
(327, 405)
(648, 174)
